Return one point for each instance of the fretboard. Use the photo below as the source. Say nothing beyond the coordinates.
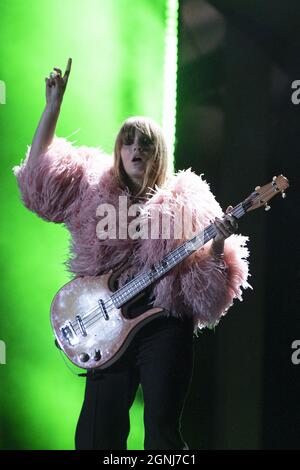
(141, 281)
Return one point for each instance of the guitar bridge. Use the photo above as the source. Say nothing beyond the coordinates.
(69, 334)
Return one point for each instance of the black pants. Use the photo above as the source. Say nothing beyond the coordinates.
(160, 358)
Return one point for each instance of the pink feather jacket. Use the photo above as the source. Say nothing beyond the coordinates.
(66, 185)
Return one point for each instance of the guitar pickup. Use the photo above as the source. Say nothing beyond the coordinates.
(81, 325)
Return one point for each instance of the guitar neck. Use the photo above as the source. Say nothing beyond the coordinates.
(141, 281)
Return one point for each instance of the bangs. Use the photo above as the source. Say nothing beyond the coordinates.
(145, 127)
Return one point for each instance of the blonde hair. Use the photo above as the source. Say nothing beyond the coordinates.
(156, 170)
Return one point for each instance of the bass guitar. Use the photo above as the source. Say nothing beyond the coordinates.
(88, 318)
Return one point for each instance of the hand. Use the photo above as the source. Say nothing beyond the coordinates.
(226, 226)
(56, 85)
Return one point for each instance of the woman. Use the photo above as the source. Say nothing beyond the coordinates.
(65, 184)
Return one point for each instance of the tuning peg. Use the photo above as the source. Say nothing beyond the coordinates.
(257, 188)
(274, 178)
(283, 194)
(267, 207)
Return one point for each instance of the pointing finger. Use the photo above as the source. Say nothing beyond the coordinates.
(68, 69)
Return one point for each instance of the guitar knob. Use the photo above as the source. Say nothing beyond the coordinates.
(97, 355)
(283, 194)
(84, 357)
(257, 188)
(267, 207)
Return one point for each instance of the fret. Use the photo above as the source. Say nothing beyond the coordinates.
(130, 289)
(172, 258)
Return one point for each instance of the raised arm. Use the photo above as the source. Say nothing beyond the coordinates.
(55, 88)
(55, 174)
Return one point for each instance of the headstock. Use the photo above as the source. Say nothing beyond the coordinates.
(263, 194)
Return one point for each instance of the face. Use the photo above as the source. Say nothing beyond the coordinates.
(136, 152)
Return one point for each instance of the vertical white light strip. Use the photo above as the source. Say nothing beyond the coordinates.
(170, 78)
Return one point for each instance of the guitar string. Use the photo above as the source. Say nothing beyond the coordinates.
(109, 304)
(208, 229)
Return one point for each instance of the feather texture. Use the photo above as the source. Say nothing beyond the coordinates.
(67, 184)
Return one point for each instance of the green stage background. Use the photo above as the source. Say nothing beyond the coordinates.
(124, 63)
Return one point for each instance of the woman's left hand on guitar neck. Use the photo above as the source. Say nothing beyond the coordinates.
(224, 227)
